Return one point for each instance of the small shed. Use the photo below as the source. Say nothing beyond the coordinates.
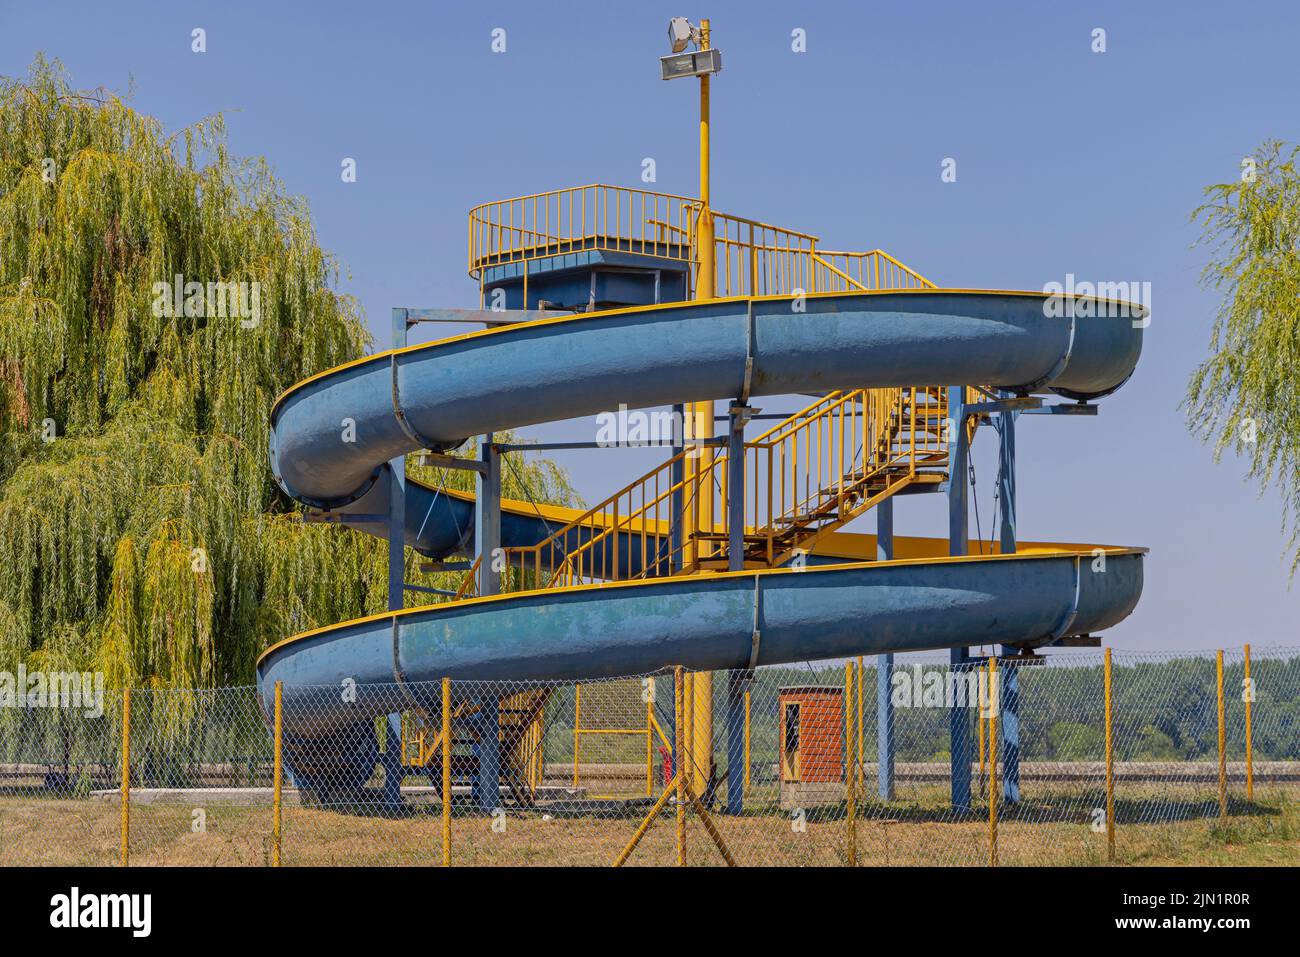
(810, 728)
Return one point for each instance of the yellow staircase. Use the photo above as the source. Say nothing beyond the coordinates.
(813, 472)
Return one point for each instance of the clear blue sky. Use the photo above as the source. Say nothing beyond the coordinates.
(1068, 161)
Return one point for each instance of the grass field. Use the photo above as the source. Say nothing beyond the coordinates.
(1047, 830)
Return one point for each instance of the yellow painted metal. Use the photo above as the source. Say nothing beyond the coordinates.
(861, 768)
(995, 702)
(1110, 764)
(446, 772)
(650, 739)
(1223, 741)
(850, 773)
(277, 833)
(126, 778)
(679, 769)
(707, 820)
(700, 465)
(577, 726)
(669, 788)
(1248, 692)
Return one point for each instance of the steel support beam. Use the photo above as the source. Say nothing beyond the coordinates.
(391, 758)
(885, 746)
(959, 733)
(738, 681)
(1009, 717)
(487, 551)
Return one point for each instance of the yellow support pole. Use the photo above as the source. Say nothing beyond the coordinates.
(699, 466)
(679, 694)
(446, 772)
(850, 775)
(995, 700)
(674, 784)
(126, 777)
(1223, 742)
(278, 800)
(577, 724)
(1110, 764)
(861, 770)
(1249, 695)
(649, 742)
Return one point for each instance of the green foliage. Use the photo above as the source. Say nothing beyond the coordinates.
(141, 532)
(1246, 395)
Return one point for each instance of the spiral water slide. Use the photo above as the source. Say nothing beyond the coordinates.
(333, 435)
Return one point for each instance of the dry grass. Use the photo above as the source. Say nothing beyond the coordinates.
(1046, 829)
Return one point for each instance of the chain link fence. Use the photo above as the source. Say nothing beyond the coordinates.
(1070, 758)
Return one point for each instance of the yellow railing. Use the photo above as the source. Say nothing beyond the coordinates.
(835, 459)
(750, 257)
(814, 472)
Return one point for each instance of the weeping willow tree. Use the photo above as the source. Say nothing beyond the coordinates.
(141, 533)
(1246, 395)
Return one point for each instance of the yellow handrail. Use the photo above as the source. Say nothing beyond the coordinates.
(750, 257)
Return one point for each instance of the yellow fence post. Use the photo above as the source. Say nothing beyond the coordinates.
(995, 701)
(1248, 693)
(1223, 742)
(277, 818)
(679, 694)
(446, 772)
(577, 723)
(126, 776)
(861, 770)
(850, 772)
(1110, 765)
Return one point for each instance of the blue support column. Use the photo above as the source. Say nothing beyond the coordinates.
(677, 507)
(738, 681)
(885, 669)
(487, 782)
(958, 532)
(1009, 719)
(487, 545)
(1009, 728)
(391, 758)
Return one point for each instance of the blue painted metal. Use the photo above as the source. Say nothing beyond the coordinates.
(738, 681)
(1009, 724)
(959, 736)
(1009, 728)
(486, 791)
(522, 374)
(885, 745)
(701, 622)
(391, 758)
(565, 368)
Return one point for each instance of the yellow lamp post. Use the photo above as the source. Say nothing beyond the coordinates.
(697, 516)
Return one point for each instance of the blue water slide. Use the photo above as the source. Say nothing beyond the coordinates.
(332, 436)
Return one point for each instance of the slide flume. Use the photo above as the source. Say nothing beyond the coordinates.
(438, 394)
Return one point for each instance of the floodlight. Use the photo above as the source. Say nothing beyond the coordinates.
(692, 63)
(680, 33)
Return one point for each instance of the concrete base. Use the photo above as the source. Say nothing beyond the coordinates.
(806, 794)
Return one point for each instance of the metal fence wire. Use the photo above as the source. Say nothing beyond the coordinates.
(1073, 758)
